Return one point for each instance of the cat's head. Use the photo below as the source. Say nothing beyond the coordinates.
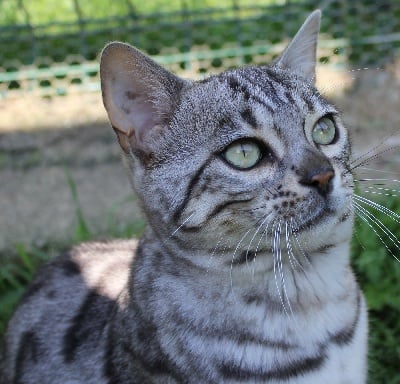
(245, 155)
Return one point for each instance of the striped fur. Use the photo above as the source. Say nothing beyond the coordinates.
(242, 275)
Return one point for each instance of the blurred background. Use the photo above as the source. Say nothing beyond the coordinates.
(61, 179)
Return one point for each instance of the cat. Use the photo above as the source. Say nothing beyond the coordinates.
(242, 274)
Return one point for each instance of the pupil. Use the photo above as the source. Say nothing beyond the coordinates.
(243, 150)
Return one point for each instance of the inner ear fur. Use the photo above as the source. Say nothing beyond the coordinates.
(138, 94)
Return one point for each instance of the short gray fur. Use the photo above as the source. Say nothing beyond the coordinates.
(242, 274)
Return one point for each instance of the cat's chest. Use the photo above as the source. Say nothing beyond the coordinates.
(284, 349)
(231, 332)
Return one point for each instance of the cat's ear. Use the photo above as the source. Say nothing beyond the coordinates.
(138, 95)
(300, 56)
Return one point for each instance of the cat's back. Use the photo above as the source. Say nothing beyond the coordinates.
(65, 311)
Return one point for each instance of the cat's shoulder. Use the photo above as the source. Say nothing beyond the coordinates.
(101, 267)
(70, 294)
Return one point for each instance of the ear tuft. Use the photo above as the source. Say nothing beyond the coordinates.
(138, 94)
(300, 56)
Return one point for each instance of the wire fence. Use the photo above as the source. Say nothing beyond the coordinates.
(58, 57)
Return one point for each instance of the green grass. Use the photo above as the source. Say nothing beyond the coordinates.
(48, 11)
(375, 266)
(53, 30)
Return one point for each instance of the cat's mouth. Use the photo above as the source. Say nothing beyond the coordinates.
(307, 213)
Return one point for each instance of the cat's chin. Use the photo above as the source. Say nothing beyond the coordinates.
(320, 218)
(326, 227)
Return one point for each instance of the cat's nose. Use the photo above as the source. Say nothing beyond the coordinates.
(320, 179)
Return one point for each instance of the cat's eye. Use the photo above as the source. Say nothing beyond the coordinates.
(324, 131)
(243, 154)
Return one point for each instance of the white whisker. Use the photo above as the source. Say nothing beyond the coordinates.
(372, 154)
(275, 251)
(254, 236)
(213, 253)
(371, 220)
(234, 254)
(383, 181)
(299, 245)
(380, 208)
(369, 169)
(278, 264)
(305, 256)
(186, 220)
(289, 248)
(264, 233)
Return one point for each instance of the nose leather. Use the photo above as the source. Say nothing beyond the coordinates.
(315, 171)
(322, 179)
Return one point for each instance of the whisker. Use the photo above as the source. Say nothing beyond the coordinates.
(186, 220)
(382, 181)
(258, 245)
(254, 235)
(371, 220)
(380, 208)
(346, 81)
(361, 213)
(363, 69)
(299, 245)
(369, 169)
(289, 248)
(371, 154)
(277, 252)
(234, 254)
(305, 256)
(289, 231)
(213, 253)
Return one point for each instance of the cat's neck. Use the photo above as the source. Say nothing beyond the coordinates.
(292, 276)
(184, 299)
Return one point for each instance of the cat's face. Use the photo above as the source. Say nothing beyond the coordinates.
(240, 153)
(234, 160)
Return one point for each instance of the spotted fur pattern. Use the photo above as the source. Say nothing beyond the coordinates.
(242, 275)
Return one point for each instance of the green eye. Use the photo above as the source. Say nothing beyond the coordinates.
(243, 154)
(324, 131)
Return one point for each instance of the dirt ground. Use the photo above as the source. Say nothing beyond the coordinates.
(42, 138)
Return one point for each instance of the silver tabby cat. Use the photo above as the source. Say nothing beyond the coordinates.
(242, 275)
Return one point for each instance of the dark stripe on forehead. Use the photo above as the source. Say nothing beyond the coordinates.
(248, 87)
(249, 118)
(239, 87)
(257, 93)
(310, 103)
(293, 93)
(290, 98)
(278, 78)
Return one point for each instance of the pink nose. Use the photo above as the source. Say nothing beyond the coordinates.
(321, 180)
